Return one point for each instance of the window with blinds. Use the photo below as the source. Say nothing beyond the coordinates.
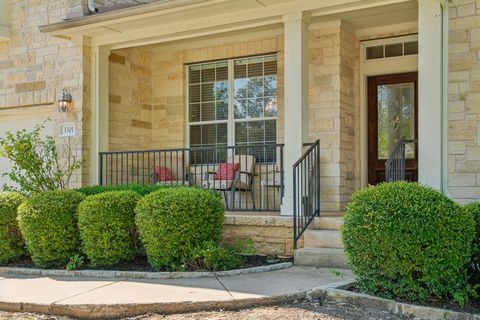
(233, 102)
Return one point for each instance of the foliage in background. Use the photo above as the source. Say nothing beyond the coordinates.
(141, 189)
(212, 257)
(409, 242)
(173, 222)
(107, 227)
(474, 208)
(36, 163)
(11, 243)
(48, 222)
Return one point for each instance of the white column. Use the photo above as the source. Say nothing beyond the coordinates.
(296, 98)
(5, 20)
(100, 108)
(430, 100)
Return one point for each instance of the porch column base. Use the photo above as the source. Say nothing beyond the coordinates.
(286, 209)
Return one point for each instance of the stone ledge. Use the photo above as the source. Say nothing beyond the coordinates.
(259, 221)
(337, 293)
(111, 274)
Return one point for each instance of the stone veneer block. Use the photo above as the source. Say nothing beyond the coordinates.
(141, 124)
(29, 86)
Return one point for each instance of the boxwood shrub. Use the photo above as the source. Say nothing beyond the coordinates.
(11, 242)
(407, 241)
(141, 189)
(48, 222)
(474, 208)
(107, 227)
(174, 221)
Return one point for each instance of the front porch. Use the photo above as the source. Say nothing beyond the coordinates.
(203, 86)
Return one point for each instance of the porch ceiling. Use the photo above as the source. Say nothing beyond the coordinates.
(180, 19)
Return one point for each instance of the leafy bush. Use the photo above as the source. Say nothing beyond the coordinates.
(174, 221)
(138, 188)
(474, 208)
(210, 256)
(407, 241)
(11, 242)
(36, 164)
(48, 222)
(107, 227)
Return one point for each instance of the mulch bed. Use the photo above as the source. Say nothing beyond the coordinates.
(141, 264)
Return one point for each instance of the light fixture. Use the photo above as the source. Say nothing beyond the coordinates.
(64, 101)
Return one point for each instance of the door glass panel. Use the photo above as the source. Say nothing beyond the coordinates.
(396, 117)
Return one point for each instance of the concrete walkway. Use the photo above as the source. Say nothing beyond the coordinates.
(93, 298)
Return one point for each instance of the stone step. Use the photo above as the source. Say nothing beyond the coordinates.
(323, 239)
(326, 223)
(320, 257)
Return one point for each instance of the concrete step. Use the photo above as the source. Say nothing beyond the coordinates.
(326, 223)
(320, 257)
(323, 239)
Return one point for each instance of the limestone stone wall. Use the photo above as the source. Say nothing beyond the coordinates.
(464, 100)
(271, 235)
(130, 113)
(34, 68)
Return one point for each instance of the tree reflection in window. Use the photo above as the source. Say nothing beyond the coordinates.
(395, 117)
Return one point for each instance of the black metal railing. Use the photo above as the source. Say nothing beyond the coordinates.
(395, 164)
(257, 184)
(306, 190)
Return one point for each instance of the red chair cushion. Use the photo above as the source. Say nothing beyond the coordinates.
(226, 171)
(163, 174)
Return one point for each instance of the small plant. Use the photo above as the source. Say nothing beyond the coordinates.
(172, 222)
(212, 257)
(36, 163)
(48, 222)
(76, 262)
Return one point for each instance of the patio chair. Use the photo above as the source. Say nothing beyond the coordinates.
(241, 179)
(223, 179)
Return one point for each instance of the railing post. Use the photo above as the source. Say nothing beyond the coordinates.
(318, 179)
(294, 208)
(101, 169)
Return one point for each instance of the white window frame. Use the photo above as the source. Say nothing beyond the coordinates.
(231, 121)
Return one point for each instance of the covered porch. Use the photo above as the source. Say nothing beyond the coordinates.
(182, 93)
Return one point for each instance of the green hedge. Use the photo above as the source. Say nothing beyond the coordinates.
(173, 222)
(48, 222)
(474, 208)
(107, 227)
(141, 189)
(11, 242)
(407, 241)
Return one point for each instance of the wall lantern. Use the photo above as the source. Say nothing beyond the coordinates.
(64, 101)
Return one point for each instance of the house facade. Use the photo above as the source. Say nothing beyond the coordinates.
(165, 91)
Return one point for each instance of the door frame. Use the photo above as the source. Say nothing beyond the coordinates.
(372, 127)
(376, 68)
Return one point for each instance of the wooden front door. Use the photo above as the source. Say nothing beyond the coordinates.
(392, 114)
